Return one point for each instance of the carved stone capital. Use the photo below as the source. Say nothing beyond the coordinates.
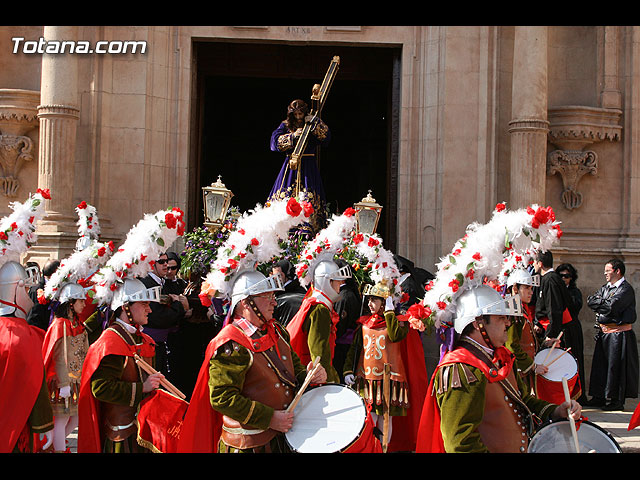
(572, 165)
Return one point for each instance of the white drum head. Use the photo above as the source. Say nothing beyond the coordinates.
(556, 437)
(564, 366)
(327, 419)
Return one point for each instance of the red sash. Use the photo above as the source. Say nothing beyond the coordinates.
(21, 370)
(429, 434)
(160, 420)
(566, 318)
(89, 418)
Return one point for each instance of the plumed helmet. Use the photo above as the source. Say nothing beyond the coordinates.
(380, 289)
(13, 280)
(252, 282)
(71, 291)
(483, 300)
(133, 290)
(326, 270)
(521, 276)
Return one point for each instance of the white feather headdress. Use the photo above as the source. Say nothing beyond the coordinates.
(254, 240)
(18, 230)
(478, 257)
(88, 224)
(331, 240)
(144, 244)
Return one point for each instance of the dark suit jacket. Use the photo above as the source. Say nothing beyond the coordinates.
(552, 298)
(615, 306)
(162, 316)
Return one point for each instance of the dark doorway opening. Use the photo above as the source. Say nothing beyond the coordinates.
(242, 91)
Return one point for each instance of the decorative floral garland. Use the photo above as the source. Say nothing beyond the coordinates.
(478, 257)
(144, 244)
(78, 267)
(332, 239)
(255, 239)
(17, 230)
(88, 224)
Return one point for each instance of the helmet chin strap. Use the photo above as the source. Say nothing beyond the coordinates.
(256, 310)
(485, 336)
(15, 305)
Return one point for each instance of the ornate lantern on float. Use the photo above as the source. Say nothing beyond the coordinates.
(367, 214)
(216, 199)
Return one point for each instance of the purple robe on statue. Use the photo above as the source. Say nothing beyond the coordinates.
(310, 182)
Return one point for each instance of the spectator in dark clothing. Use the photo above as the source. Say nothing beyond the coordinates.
(287, 273)
(40, 315)
(614, 370)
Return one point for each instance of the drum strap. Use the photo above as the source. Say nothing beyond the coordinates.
(509, 389)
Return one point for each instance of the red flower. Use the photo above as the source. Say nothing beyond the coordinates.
(318, 249)
(42, 300)
(293, 207)
(470, 274)
(142, 257)
(349, 212)
(45, 193)
(358, 238)
(456, 252)
(82, 205)
(31, 219)
(441, 305)
(232, 263)
(308, 209)
(113, 287)
(112, 246)
(454, 284)
(541, 216)
(242, 254)
(518, 258)
(241, 231)
(3, 236)
(223, 269)
(404, 297)
(255, 242)
(101, 251)
(170, 220)
(500, 207)
(14, 226)
(477, 256)
(418, 311)
(373, 242)
(428, 286)
(559, 230)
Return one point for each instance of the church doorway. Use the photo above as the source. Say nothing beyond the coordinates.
(241, 94)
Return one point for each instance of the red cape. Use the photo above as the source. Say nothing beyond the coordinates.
(298, 338)
(21, 372)
(89, 421)
(54, 333)
(412, 353)
(429, 434)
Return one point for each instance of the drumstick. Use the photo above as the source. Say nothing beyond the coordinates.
(555, 359)
(552, 347)
(316, 365)
(572, 422)
(164, 382)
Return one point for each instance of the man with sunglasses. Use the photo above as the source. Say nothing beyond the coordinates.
(165, 315)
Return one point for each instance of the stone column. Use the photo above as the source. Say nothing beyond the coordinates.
(529, 125)
(59, 114)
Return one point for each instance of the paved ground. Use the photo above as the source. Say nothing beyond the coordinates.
(615, 423)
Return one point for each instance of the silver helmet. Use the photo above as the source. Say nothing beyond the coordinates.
(326, 270)
(483, 300)
(521, 276)
(133, 290)
(15, 280)
(84, 242)
(252, 282)
(71, 291)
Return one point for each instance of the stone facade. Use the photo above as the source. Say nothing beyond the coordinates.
(486, 114)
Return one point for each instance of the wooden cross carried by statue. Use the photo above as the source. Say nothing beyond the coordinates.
(318, 98)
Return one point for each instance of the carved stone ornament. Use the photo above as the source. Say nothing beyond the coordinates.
(571, 130)
(18, 115)
(572, 165)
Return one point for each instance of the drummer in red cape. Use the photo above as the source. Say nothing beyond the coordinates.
(476, 403)
(250, 374)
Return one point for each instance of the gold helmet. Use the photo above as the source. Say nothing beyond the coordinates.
(380, 289)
